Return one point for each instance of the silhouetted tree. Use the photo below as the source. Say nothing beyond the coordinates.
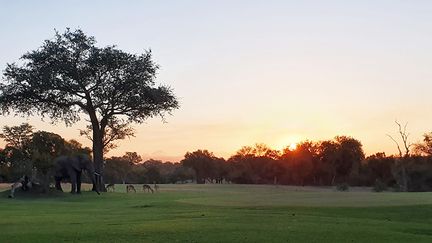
(69, 76)
(425, 147)
(350, 156)
(45, 147)
(253, 165)
(17, 136)
(201, 161)
(118, 169)
(301, 163)
(16, 154)
(400, 169)
(379, 167)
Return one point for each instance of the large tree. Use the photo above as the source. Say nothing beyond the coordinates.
(69, 76)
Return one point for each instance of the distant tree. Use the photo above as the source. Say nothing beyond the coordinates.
(201, 161)
(404, 137)
(4, 168)
(425, 147)
(379, 167)
(74, 147)
(44, 148)
(118, 169)
(153, 175)
(350, 156)
(16, 154)
(17, 136)
(254, 165)
(15, 162)
(328, 155)
(258, 150)
(69, 76)
(132, 157)
(301, 162)
(400, 168)
(180, 174)
(340, 158)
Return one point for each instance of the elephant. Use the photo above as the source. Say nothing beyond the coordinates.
(71, 167)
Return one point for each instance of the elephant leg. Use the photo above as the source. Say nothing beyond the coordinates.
(78, 182)
(73, 178)
(57, 183)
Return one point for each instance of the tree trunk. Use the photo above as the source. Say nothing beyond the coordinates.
(98, 158)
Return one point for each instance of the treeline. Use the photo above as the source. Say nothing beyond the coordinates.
(339, 161)
(323, 163)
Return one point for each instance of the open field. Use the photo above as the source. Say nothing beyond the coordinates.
(220, 213)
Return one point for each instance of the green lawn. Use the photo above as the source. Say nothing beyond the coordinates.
(220, 213)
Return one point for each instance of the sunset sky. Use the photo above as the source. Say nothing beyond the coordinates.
(245, 72)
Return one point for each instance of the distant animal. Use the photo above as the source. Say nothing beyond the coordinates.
(16, 185)
(110, 187)
(156, 187)
(148, 188)
(24, 183)
(71, 167)
(130, 188)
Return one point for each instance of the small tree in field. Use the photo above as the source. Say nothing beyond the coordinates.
(69, 76)
(44, 148)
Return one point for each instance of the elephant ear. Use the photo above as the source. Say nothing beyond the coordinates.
(76, 163)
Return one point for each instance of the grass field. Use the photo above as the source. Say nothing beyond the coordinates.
(219, 213)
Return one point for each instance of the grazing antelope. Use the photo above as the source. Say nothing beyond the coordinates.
(156, 187)
(130, 188)
(15, 186)
(148, 188)
(110, 187)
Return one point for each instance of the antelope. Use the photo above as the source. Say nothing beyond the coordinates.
(148, 188)
(15, 186)
(110, 187)
(130, 188)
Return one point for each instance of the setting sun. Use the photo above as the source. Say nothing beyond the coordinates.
(289, 142)
(292, 146)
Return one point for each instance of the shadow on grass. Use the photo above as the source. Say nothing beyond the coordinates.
(20, 194)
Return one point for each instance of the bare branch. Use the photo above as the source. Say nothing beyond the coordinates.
(397, 144)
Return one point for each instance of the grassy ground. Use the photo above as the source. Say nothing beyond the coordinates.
(219, 213)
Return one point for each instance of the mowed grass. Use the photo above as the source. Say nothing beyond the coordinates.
(219, 213)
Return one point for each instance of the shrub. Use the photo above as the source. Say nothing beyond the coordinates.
(342, 187)
(379, 186)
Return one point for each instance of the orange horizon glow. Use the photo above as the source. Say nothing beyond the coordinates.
(277, 72)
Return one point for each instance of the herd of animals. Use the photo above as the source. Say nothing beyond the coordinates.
(131, 188)
(71, 168)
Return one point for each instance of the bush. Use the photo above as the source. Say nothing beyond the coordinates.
(379, 186)
(343, 187)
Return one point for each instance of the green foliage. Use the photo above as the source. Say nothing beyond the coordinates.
(45, 147)
(69, 76)
(61, 77)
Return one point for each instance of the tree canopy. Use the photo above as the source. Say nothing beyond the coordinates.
(69, 76)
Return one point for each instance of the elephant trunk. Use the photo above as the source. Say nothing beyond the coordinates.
(93, 176)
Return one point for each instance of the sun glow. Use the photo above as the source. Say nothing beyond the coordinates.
(292, 146)
(289, 142)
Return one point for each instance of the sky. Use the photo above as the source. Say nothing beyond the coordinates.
(246, 72)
